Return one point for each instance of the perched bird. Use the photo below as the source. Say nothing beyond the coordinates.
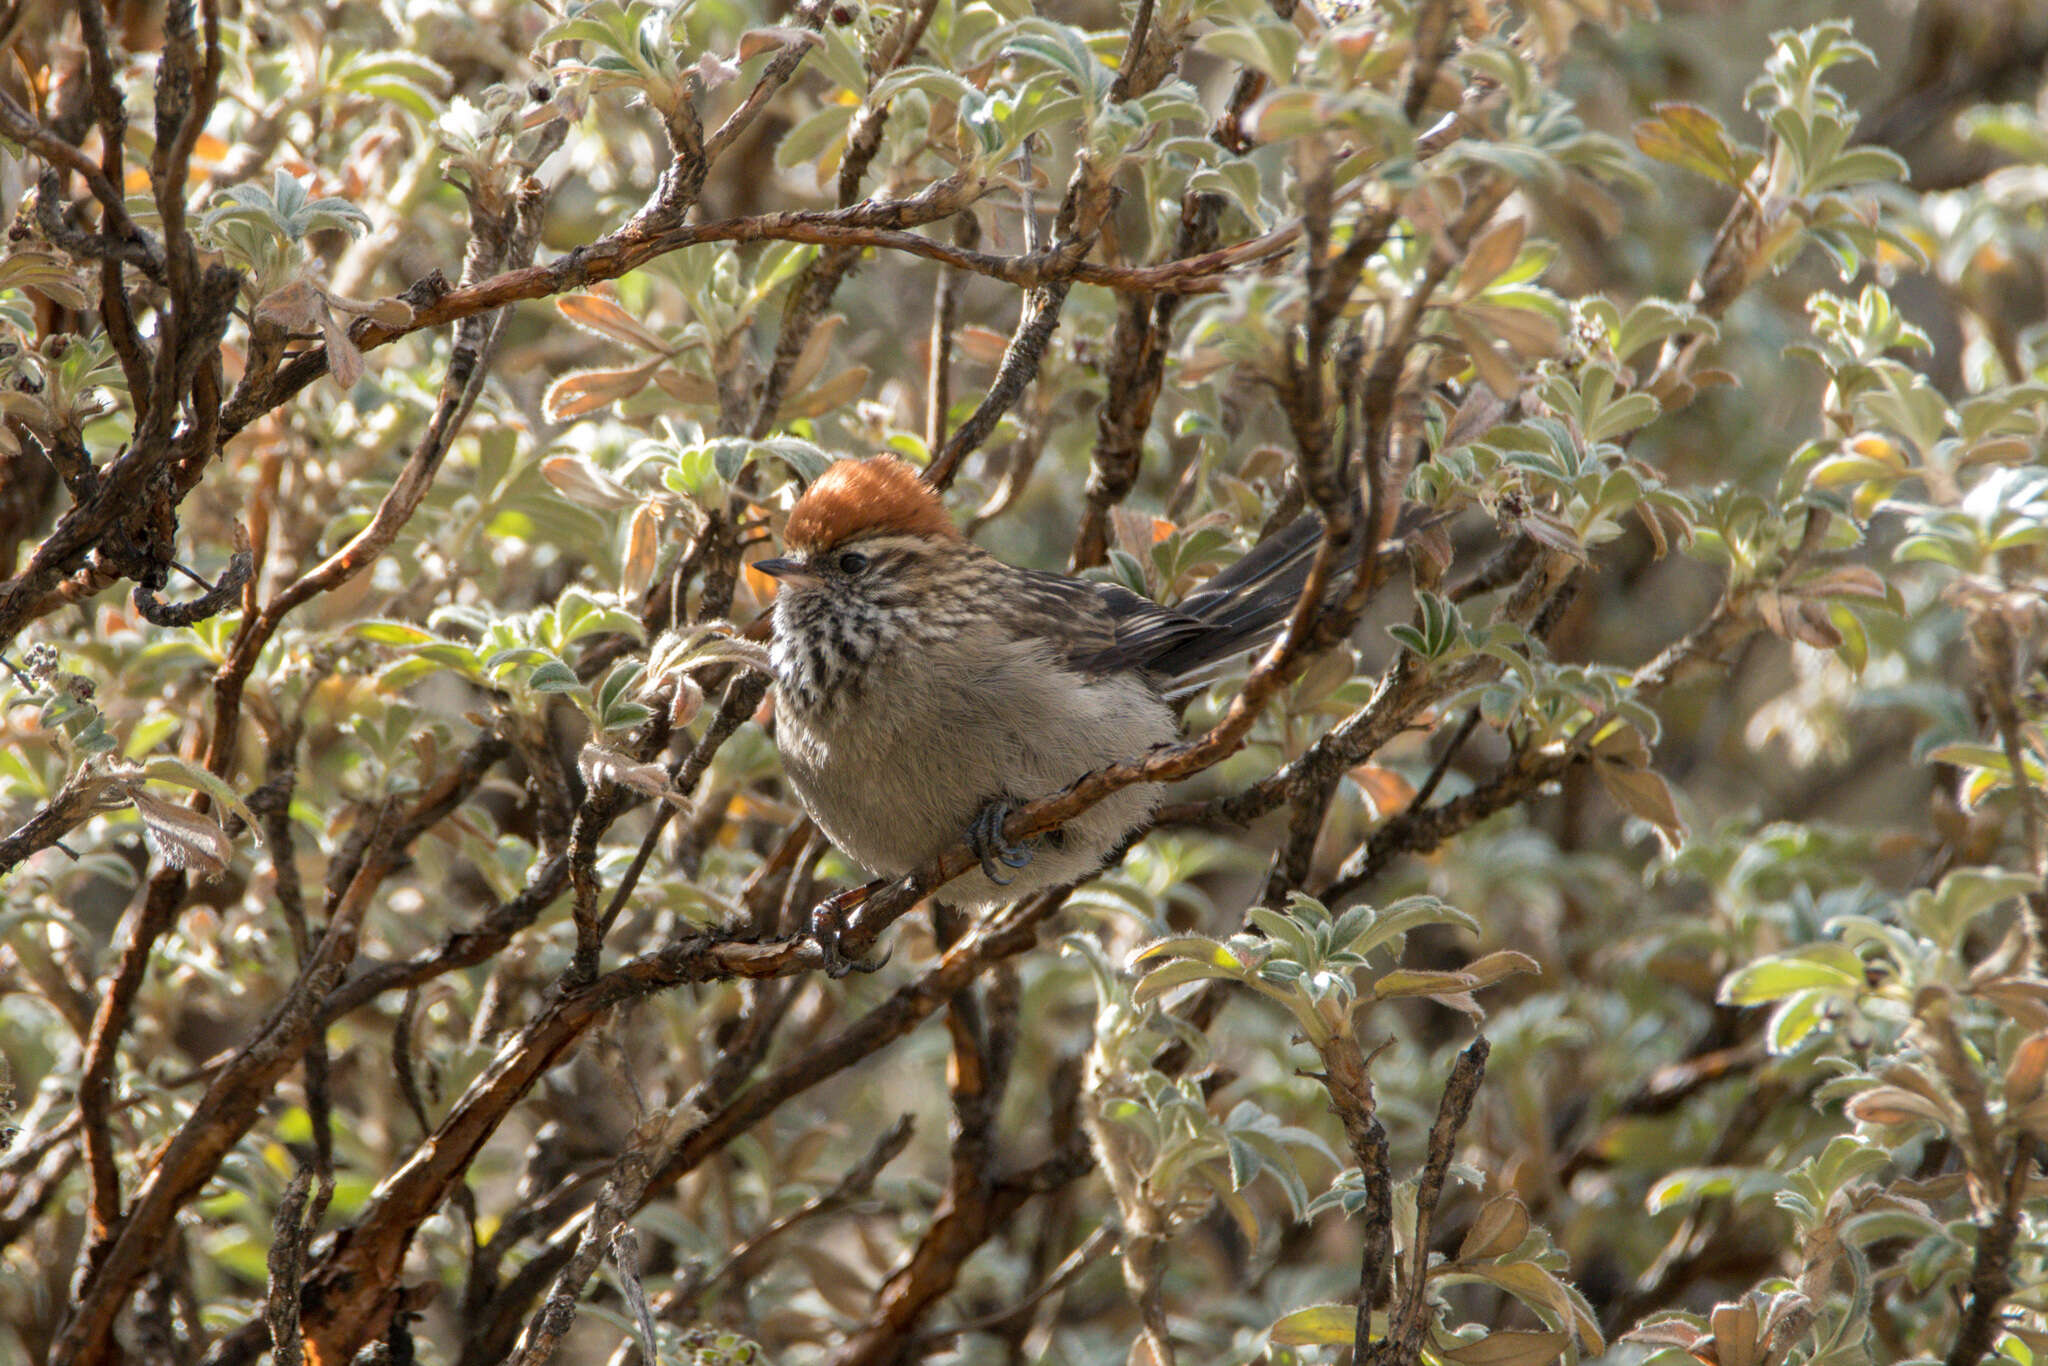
(925, 688)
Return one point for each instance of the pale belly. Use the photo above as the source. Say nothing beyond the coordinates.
(895, 784)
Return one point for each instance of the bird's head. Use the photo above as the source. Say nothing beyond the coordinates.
(865, 532)
(873, 564)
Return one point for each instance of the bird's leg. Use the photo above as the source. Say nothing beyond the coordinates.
(828, 923)
(985, 838)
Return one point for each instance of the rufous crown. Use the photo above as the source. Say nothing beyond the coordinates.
(865, 498)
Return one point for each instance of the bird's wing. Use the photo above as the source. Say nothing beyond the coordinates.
(1104, 628)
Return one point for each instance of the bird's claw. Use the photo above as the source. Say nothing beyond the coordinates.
(828, 927)
(985, 838)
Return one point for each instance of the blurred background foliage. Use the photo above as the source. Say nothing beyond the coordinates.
(1699, 762)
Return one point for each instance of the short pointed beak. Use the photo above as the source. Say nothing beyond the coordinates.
(784, 569)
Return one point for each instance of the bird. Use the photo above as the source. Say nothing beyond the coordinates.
(925, 689)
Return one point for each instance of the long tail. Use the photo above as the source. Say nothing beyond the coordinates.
(1246, 606)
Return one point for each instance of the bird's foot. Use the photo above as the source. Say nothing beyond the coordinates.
(828, 926)
(985, 838)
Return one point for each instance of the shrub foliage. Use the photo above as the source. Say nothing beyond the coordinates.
(1615, 926)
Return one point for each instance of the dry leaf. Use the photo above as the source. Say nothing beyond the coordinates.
(576, 479)
(607, 319)
(810, 362)
(600, 765)
(1895, 1105)
(982, 345)
(842, 388)
(585, 391)
(1495, 370)
(756, 41)
(713, 70)
(643, 540)
(685, 386)
(1529, 334)
(1510, 1347)
(1641, 792)
(1493, 253)
(1499, 1230)
(297, 307)
(183, 838)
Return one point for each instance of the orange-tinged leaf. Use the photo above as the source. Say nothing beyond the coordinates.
(1493, 253)
(1510, 1348)
(1502, 1224)
(1877, 446)
(1386, 790)
(576, 479)
(842, 388)
(982, 345)
(685, 386)
(1641, 792)
(607, 319)
(643, 541)
(586, 391)
(2024, 1073)
(1689, 136)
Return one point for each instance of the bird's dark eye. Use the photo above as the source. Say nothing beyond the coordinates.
(852, 562)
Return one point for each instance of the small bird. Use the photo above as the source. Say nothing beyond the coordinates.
(925, 689)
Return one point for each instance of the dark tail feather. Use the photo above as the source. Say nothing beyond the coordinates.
(1246, 606)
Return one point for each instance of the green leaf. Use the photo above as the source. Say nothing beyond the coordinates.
(165, 768)
(1167, 976)
(391, 632)
(1267, 48)
(1316, 1325)
(803, 144)
(553, 677)
(1775, 978)
(1421, 982)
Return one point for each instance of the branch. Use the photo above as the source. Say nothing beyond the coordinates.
(1991, 1273)
(1997, 653)
(854, 1185)
(469, 361)
(1137, 373)
(75, 804)
(18, 125)
(974, 1204)
(232, 1103)
(353, 1285)
(623, 1192)
(1402, 1345)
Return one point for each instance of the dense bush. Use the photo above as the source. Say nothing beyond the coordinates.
(1616, 926)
